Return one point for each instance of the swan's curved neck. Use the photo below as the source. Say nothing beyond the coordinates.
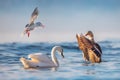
(53, 56)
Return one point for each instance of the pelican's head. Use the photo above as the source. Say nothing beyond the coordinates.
(89, 35)
(59, 49)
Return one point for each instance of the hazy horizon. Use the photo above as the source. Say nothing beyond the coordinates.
(62, 19)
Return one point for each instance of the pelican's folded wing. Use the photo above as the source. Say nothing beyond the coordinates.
(96, 52)
(82, 46)
(89, 45)
(86, 42)
(98, 46)
(80, 42)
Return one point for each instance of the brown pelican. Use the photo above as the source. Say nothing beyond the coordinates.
(31, 26)
(91, 50)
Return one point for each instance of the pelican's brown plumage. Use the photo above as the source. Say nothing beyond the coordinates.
(91, 50)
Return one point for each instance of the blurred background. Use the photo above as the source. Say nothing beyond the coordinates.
(62, 19)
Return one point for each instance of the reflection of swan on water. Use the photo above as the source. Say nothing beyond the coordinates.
(42, 60)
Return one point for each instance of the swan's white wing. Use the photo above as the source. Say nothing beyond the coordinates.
(34, 15)
(40, 57)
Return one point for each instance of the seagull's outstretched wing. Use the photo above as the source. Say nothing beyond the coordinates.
(34, 15)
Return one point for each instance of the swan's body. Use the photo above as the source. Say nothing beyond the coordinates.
(91, 50)
(31, 26)
(42, 60)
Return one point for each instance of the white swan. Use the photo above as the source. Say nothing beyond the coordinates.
(42, 60)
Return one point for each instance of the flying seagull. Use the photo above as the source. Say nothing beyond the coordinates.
(32, 24)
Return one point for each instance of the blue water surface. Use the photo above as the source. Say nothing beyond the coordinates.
(72, 67)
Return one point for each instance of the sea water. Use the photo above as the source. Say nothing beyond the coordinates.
(72, 67)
